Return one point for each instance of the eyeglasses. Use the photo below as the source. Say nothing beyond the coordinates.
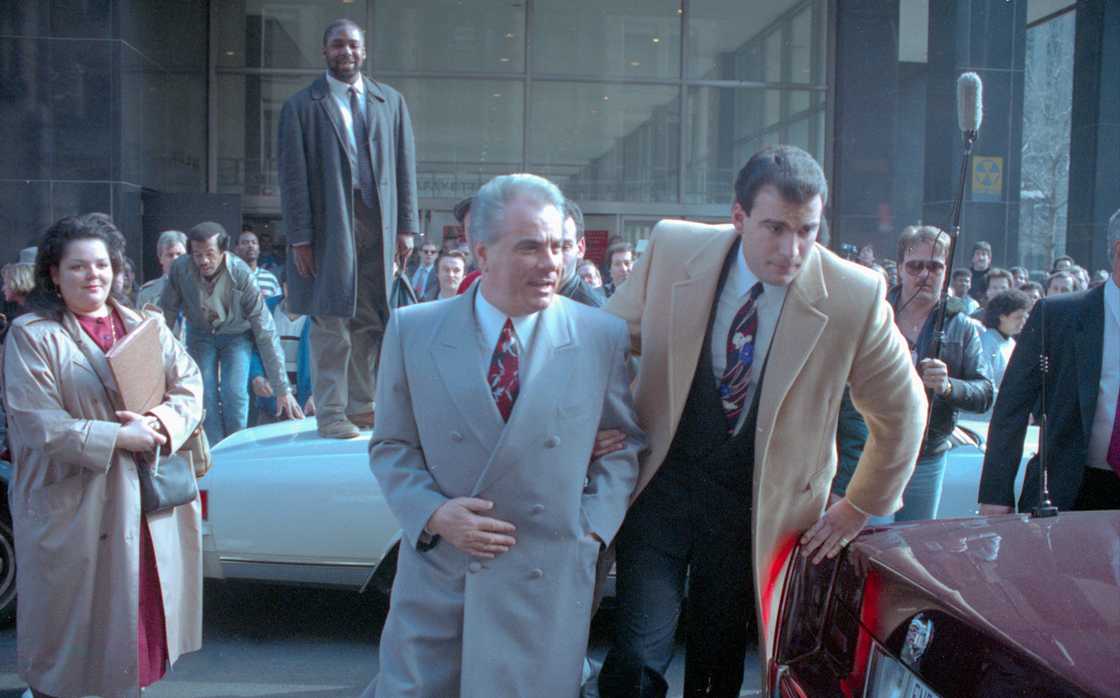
(933, 266)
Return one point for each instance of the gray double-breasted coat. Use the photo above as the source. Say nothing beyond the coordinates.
(515, 625)
(317, 190)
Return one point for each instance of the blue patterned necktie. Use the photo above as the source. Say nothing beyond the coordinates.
(361, 140)
(740, 356)
(502, 376)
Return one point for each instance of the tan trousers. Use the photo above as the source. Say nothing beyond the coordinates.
(345, 351)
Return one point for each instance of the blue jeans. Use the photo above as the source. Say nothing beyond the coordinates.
(922, 495)
(224, 357)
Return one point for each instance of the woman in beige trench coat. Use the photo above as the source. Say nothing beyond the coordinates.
(95, 576)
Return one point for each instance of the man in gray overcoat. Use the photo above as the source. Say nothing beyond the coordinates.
(348, 192)
(489, 406)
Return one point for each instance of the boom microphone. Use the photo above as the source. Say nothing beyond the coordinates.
(970, 102)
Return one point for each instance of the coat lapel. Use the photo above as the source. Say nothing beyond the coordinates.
(1088, 345)
(692, 302)
(551, 364)
(458, 357)
(321, 93)
(799, 327)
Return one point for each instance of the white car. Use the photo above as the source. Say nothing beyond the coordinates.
(284, 505)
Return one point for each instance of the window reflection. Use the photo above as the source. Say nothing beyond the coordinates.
(450, 35)
(606, 142)
(632, 38)
(278, 33)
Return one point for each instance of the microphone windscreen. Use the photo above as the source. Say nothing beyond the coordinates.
(970, 103)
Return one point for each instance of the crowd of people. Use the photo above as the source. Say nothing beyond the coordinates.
(538, 415)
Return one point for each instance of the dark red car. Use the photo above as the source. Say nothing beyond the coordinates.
(985, 607)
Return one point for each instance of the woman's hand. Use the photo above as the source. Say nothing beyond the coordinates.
(138, 434)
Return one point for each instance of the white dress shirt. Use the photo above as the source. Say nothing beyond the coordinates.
(736, 289)
(490, 322)
(340, 91)
(1105, 416)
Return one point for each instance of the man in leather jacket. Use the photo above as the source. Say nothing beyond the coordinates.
(960, 379)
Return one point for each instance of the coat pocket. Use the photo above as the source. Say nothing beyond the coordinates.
(61, 496)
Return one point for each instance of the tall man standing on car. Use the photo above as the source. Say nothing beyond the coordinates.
(490, 403)
(348, 191)
(748, 334)
(1081, 337)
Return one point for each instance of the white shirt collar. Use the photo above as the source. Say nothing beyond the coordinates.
(1112, 299)
(341, 90)
(491, 320)
(741, 279)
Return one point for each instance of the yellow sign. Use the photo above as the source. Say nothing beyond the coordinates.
(987, 178)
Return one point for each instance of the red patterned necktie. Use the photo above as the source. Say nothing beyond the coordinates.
(1113, 456)
(502, 377)
(740, 355)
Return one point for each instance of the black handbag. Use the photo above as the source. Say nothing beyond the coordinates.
(167, 483)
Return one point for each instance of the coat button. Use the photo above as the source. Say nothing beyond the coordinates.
(456, 436)
(552, 442)
(536, 573)
(536, 508)
(475, 566)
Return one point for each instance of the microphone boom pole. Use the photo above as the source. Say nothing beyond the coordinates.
(969, 115)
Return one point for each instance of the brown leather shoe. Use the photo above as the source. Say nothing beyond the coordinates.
(362, 421)
(338, 429)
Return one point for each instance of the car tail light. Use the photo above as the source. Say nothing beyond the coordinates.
(204, 499)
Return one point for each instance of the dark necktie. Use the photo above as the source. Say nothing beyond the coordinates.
(1113, 456)
(361, 140)
(740, 355)
(502, 376)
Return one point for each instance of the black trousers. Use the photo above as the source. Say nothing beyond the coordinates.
(699, 532)
(1100, 489)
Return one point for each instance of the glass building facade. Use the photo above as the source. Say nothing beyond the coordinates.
(638, 109)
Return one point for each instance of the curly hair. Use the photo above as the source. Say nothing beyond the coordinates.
(1005, 303)
(45, 298)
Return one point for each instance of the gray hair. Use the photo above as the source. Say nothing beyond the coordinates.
(168, 238)
(489, 208)
(1113, 233)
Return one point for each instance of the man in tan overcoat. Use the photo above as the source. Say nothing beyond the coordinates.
(748, 334)
(75, 502)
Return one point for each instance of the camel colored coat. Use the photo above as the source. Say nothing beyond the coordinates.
(835, 329)
(75, 503)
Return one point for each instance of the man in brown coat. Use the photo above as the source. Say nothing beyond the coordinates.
(348, 192)
(748, 334)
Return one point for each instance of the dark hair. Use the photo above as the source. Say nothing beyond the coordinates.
(456, 254)
(462, 209)
(244, 232)
(45, 298)
(1005, 303)
(997, 273)
(617, 248)
(787, 168)
(957, 273)
(1028, 286)
(206, 230)
(917, 234)
(1018, 271)
(982, 245)
(1065, 258)
(246, 228)
(337, 24)
(573, 211)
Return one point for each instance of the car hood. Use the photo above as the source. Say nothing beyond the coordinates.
(288, 439)
(1050, 587)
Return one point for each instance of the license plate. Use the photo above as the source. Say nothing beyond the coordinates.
(887, 677)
